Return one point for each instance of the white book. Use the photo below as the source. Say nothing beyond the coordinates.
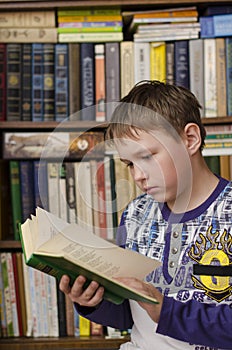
(141, 61)
(127, 66)
(210, 77)
(11, 281)
(53, 323)
(53, 187)
(26, 280)
(63, 206)
(90, 37)
(196, 67)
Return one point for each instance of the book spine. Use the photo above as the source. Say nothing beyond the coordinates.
(84, 326)
(63, 207)
(101, 199)
(49, 83)
(15, 196)
(90, 37)
(158, 61)
(52, 307)
(13, 82)
(40, 177)
(127, 66)
(182, 63)
(217, 10)
(210, 85)
(18, 268)
(61, 313)
(90, 27)
(27, 192)
(2, 305)
(100, 91)
(221, 77)
(225, 166)
(29, 19)
(213, 163)
(141, 62)
(87, 81)
(216, 26)
(28, 307)
(53, 187)
(196, 64)
(170, 62)
(61, 82)
(3, 60)
(7, 298)
(71, 192)
(95, 18)
(28, 35)
(12, 286)
(94, 188)
(108, 197)
(37, 81)
(69, 310)
(112, 73)
(74, 84)
(26, 82)
(229, 74)
(90, 11)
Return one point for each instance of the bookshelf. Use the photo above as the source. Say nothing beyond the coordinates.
(9, 245)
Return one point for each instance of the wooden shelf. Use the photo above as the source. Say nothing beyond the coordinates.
(67, 125)
(33, 4)
(68, 343)
(10, 245)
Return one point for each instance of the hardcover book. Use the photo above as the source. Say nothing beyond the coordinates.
(55, 247)
(181, 54)
(216, 26)
(61, 82)
(26, 82)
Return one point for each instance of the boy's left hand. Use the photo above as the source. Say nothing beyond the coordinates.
(153, 310)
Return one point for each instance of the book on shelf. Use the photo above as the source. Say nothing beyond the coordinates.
(3, 318)
(55, 247)
(3, 76)
(61, 82)
(219, 9)
(74, 83)
(5, 202)
(26, 82)
(196, 72)
(216, 26)
(89, 37)
(112, 76)
(28, 19)
(170, 62)
(90, 11)
(84, 326)
(100, 83)
(141, 61)
(127, 66)
(49, 82)
(13, 82)
(158, 61)
(94, 18)
(210, 84)
(37, 81)
(228, 43)
(221, 77)
(181, 62)
(15, 196)
(26, 175)
(28, 35)
(90, 27)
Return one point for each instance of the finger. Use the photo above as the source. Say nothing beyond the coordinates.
(64, 284)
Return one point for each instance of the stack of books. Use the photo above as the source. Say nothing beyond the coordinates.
(168, 24)
(90, 25)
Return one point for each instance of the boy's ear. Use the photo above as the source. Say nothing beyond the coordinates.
(192, 138)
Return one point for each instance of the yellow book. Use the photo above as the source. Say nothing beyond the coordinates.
(158, 61)
(84, 326)
(65, 19)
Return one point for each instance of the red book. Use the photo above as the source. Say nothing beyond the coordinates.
(101, 199)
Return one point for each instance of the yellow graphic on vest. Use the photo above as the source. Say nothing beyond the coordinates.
(213, 249)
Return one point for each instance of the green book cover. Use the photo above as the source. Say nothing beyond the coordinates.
(55, 247)
(15, 196)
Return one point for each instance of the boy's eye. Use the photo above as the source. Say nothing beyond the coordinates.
(148, 156)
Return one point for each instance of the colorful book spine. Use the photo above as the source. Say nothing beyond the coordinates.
(13, 86)
(158, 61)
(181, 52)
(170, 62)
(37, 81)
(94, 18)
(216, 26)
(26, 191)
(11, 281)
(61, 82)
(40, 184)
(49, 83)
(90, 37)
(3, 82)
(87, 64)
(26, 82)
(112, 72)
(101, 199)
(90, 11)
(100, 91)
(2, 305)
(71, 192)
(89, 27)
(15, 196)
(229, 74)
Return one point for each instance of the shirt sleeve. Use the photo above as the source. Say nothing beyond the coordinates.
(109, 314)
(197, 323)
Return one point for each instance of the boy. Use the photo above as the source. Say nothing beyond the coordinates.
(183, 219)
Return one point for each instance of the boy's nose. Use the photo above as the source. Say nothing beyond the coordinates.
(138, 173)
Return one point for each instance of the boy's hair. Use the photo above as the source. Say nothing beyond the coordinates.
(154, 104)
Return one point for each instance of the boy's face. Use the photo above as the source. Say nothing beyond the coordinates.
(159, 164)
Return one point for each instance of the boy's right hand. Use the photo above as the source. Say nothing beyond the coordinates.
(90, 296)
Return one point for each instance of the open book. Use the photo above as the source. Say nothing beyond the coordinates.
(56, 247)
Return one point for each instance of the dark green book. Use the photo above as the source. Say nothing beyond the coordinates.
(15, 196)
(55, 247)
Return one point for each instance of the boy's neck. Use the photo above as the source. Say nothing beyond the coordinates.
(203, 184)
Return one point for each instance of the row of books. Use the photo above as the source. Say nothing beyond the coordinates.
(31, 304)
(44, 82)
(85, 191)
